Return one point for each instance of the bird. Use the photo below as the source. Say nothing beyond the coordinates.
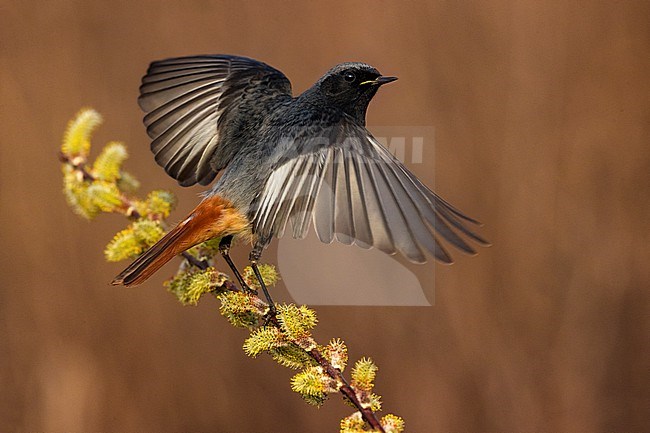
(286, 162)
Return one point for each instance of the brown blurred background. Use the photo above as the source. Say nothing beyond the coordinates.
(542, 120)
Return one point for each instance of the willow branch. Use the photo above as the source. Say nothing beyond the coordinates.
(79, 164)
(198, 263)
(127, 206)
(345, 388)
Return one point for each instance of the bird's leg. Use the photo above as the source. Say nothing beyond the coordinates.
(224, 250)
(253, 258)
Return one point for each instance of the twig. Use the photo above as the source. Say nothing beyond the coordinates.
(201, 264)
(368, 415)
(344, 388)
(129, 209)
(79, 164)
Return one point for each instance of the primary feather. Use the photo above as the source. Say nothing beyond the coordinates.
(193, 104)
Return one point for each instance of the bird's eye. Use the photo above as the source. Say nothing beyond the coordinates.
(349, 77)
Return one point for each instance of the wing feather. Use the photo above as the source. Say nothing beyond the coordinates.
(300, 217)
(377, 220)
(190, 104)
(357, 192)
(325, 200)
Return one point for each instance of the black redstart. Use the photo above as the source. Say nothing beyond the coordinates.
(285, 160)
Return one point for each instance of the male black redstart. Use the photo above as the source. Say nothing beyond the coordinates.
(285, 160)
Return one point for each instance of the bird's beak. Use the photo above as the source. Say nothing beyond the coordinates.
(380, 81)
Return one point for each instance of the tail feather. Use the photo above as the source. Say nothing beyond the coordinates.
(158, 255)
(213, 217)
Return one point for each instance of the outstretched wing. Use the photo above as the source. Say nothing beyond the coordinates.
(357, 192)
(193, 106)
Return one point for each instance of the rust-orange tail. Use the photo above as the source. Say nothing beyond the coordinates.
(214, 217)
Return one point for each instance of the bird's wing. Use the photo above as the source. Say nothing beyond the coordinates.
(190, 104)
(357, 192)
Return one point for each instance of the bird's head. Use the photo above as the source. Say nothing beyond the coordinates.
(351, 86)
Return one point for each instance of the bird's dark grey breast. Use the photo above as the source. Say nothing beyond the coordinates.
(249, 133)
(304, 128)
(268, 138)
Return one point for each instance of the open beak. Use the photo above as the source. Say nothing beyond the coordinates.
(380, 81)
